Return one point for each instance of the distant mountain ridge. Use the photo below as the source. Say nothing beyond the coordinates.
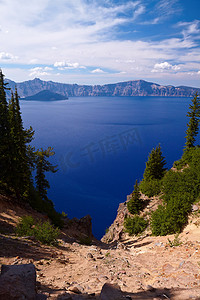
(129, 88)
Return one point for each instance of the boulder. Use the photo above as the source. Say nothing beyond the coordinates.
(111, 292)
(18, 282)
(76, 288)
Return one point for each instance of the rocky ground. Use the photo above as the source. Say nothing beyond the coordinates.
(142, 267)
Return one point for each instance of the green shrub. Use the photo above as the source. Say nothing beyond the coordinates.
(180, 189)
(172, 217)
(151, 187)
(46, 233)
(177, 183)
(176, 241)
(189, 156)
(135, 225)
(43, 232)
(26, 226)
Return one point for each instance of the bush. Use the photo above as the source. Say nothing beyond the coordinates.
(135, 225)
(43, 232)
(180, 189)
(46, 233)
(175, 242)
(185, 182)
(26, 226)
(151, 187)
(172, 217)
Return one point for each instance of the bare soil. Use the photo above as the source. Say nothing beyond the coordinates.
(144, 267)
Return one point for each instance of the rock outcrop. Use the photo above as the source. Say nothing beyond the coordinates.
(79, 228)
(116, 230)
(18, 282)
(129, 88)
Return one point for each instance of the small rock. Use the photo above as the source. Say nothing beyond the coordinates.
(195, 207)
(120, 246)
(89, 255)
(63, 261)
(103, 277)
(77, 289)
(150, 288)
(159, 244)
(181, 263)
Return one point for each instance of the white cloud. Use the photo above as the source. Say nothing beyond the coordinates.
(62, 65)
(70, 35)
(166, 8)
(40, 71)
(190, 28)
(7, 56)
(151, 22)
(198, 72)
(126, 61)
(97, 71)
(160, 67)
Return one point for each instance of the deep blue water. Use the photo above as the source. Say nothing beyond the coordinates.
(101, 147)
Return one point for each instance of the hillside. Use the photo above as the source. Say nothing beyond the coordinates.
(143, 267)
(129, 88)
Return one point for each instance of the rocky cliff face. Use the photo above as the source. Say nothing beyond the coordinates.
(116, 232)
(129, 88)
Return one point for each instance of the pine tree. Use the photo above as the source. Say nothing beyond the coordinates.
(193, 125)
(135, 204)
(42, 166)
(155, 165)
(20, 154)
(5, 143)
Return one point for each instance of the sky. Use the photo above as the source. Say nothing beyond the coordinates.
(101, 41)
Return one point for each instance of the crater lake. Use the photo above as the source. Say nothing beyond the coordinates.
(101, 145)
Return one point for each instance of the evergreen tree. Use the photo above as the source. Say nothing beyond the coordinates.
(135, 204)
(154, 172)
(193, 125)
(20, 155)
(5, 143)
(155, 165)
(42, 166)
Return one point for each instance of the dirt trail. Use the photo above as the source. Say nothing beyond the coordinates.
(144, 267)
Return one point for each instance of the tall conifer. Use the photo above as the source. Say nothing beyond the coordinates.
(155, 165)
(5, 143)
(193, 124)
(42, 166)
(135, 203)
